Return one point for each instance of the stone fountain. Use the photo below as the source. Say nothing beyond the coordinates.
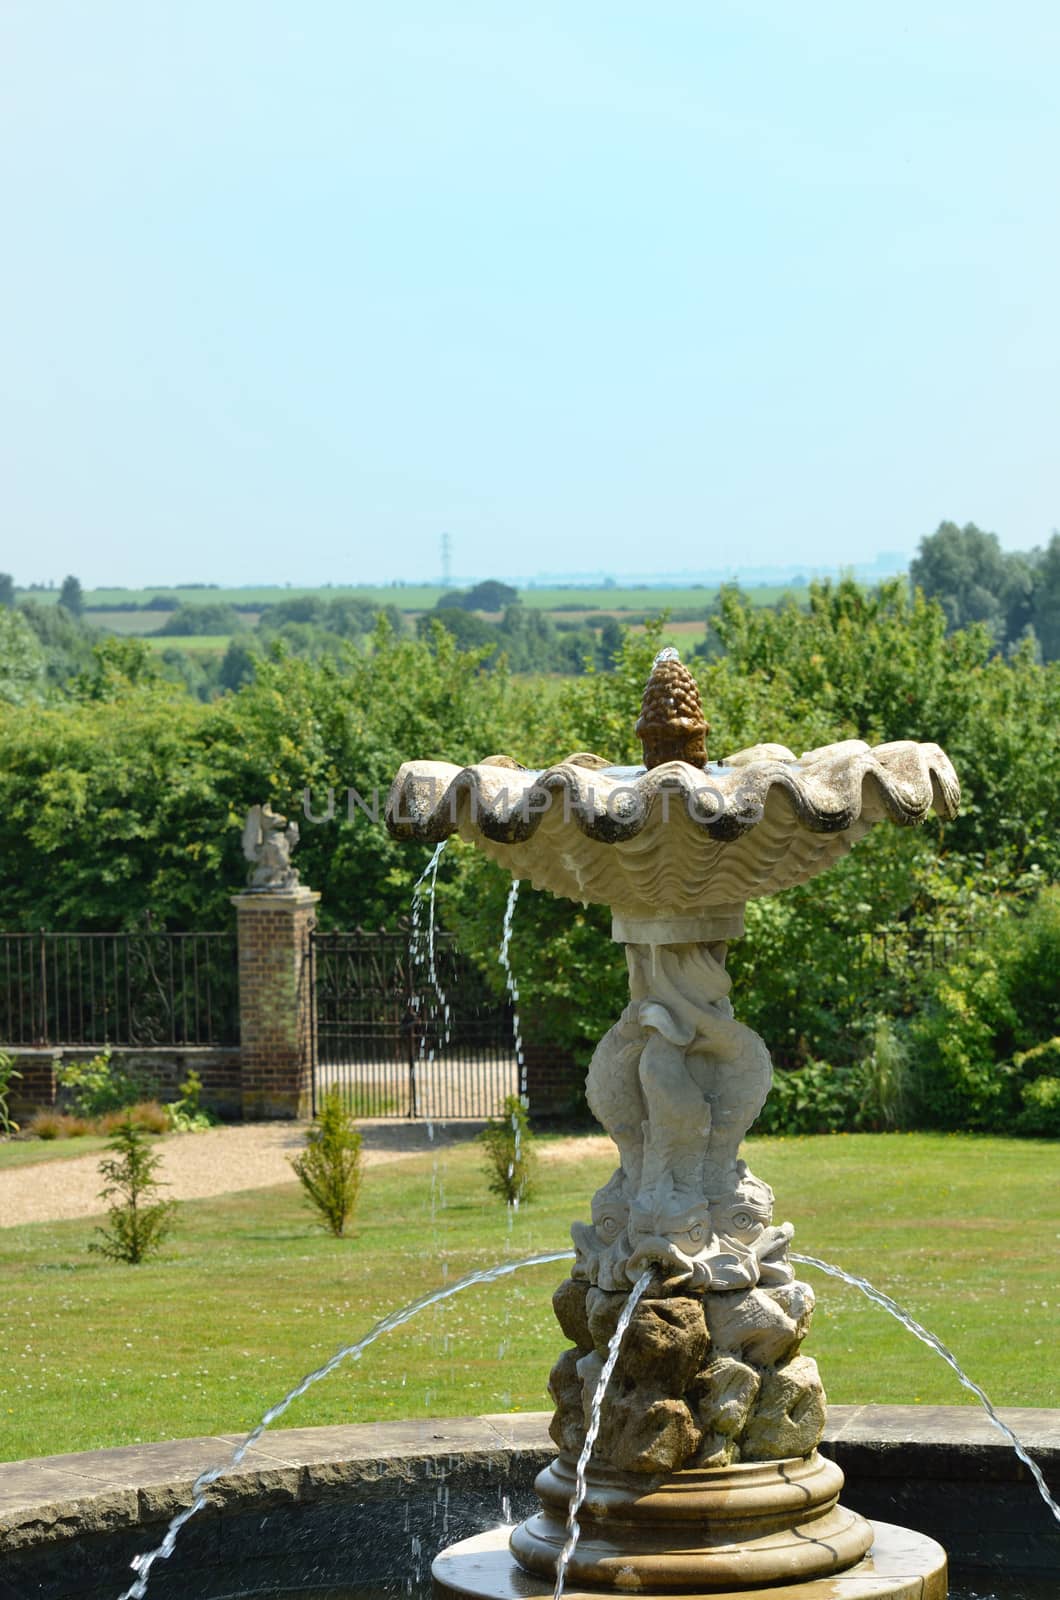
(705, 1476)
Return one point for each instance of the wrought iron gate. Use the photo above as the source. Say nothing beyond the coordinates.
(394, 1043)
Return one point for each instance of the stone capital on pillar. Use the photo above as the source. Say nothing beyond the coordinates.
(276, 1000)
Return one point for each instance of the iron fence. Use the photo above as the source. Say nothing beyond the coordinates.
(888, 948)
(396, 1043)
(134, 989)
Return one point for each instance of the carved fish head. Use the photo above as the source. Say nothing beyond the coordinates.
(678, 1240)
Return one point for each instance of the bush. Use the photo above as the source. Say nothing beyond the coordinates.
(814, 1098)
(47, 1124)
(138, 1222)
(8, 1074)
(986, 1032)
(98, 1086)
(1041, 1108)
(329, 1170)
(147, 1115)
(188, 1115)
(510, 1156)
(884, 1079)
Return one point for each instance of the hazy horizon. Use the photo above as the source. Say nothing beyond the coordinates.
(593, 290)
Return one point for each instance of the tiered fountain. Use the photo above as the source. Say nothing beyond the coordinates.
(705, 1476)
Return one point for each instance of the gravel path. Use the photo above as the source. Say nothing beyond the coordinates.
(252, 1155)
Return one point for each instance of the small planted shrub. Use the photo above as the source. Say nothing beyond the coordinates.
(510, 1154)
(8, 1075)
(188, 1114)
(137, 1221)
(329, 1169)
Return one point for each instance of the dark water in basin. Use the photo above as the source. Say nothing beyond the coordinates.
(971, 1587)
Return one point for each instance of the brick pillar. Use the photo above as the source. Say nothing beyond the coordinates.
(275, 1001)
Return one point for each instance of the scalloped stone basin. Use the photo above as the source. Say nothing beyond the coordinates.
(675, 852)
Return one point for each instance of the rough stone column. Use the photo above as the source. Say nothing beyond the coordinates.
(276, 1001)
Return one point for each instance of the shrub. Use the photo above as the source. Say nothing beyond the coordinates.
(984, 1035)
(148, 1115)
(1041, 1108)
(510, 1157)
(47, 1124)
(8, 1074)
(98, 1086)
(188, 1114)
(329, 1169)
(883, 1078)
(815, 1098)
(138, 1222)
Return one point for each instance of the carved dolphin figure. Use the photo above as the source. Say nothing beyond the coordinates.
(730, 1064)
(679, 1118)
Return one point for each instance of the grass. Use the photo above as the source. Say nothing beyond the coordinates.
(194, 644)
(422, 597)
(250, 1295)
(30, 1152)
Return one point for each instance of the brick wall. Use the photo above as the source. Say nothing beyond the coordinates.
(161, 1071)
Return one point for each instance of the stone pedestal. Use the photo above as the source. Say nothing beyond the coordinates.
(276, 1001)
(901, 1565)
(723, 1527)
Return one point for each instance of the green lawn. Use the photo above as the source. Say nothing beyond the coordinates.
(250, 1296)
(28, 1152)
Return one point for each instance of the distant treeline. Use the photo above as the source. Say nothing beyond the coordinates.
(44, 645)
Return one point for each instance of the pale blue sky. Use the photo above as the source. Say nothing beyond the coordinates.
(290, 288)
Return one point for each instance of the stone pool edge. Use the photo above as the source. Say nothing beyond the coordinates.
(942, 1469)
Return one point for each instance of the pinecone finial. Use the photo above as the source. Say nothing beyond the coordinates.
(671, 726)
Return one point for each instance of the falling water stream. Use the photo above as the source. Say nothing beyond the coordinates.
(580, 1481)
(143, 1564)
(418, 956)
(920, 1332)
(504, 957)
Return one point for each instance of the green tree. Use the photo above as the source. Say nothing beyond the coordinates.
(7, 589)
(329, 1169)
(138, 1222)
(491, 595)
(22, 661)
(204, 620)
(65, 641)
(974, 580)
(71, 597)
(1045, 614)
(509, 1153)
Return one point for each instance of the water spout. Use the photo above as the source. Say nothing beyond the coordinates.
(504, 957)
(142, 1564)
(580, 1482)
(428, 877)
(920, 1332)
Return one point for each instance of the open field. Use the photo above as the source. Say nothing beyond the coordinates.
(410, 597)
(250, 1295)
(193, 644)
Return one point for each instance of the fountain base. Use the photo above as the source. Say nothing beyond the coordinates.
(707, 1528)
(901, 1565)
